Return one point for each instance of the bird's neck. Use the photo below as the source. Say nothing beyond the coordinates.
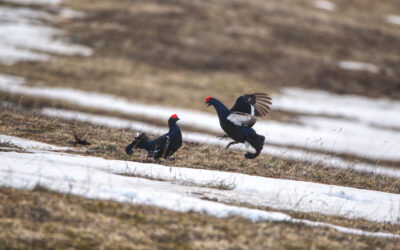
(221, 109)
(173, 127)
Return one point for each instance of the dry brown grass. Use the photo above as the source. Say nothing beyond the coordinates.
(268, 43)
(48, 220)
(177, 52)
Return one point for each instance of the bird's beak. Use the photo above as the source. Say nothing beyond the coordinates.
(208, 104)
(177, 119)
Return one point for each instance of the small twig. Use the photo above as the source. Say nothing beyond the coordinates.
(79, 140)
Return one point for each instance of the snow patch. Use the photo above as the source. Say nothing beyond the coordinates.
(324, 5)
(92, 177)
(7, 80)
(381, 112)
(393, 19)
(71, 14)
(359, 66)
(25, 38)
(81, 175)
(30, 145)
(35, 2)
(346, 230)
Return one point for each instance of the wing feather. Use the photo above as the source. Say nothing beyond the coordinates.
(259, 102)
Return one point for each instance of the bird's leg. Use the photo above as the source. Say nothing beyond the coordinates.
(231, 143)
(222, 136)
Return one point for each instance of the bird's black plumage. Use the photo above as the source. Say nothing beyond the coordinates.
(238, 121)
(164, 146)
(254, 104)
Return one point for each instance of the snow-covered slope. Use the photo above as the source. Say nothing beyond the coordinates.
(95, 177)
(260, 191)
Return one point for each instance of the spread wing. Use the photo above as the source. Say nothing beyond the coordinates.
(256, 104)
(242, 119)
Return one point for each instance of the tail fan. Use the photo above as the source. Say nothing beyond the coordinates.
(129, 149)
(257, 142)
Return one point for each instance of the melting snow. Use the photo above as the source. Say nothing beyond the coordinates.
(25, 38)
(31, 145)
(393, 19)
(71, 14)
(381, 112)
(93, 177)
(358, 66)
(324, 5)
(36, 2)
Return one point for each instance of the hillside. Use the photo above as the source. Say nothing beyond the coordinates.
(100, 71)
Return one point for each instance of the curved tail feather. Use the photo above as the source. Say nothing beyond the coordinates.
(257, 142)
(129, 149)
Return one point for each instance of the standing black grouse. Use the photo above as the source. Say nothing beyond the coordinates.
(238, 121)
(164, 146)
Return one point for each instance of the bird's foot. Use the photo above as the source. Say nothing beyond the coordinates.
(230, 144)
(221, 137)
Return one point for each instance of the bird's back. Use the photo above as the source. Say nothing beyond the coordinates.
(167, 144)
(157, 146)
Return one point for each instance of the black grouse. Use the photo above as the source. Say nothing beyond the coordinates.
(238, 121)
(164, 146)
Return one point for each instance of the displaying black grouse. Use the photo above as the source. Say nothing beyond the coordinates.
(238, 121)
(164, 146)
